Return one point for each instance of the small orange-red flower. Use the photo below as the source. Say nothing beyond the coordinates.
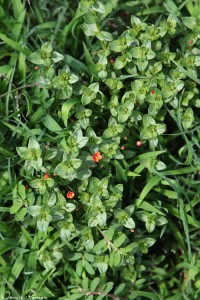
(36, 68)
(46, 146)
(46, 176)
(70, 195)
(153, 92)
(139, 143)
(96, 156)
(190, 42)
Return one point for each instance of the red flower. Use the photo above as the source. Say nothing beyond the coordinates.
(153, 92)
(190, 42)
(46, 146)
(26, 187)
(70, 195)
(139, 143)
(36, 68)
(46, 176)
(122, 147)
(96, 156)
(112, 61)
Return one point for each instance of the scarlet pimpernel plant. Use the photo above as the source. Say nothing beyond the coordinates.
(100, 150)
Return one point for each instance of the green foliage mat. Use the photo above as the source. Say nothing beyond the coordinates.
(99, 150)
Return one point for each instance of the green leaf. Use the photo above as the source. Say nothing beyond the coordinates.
(148, 295)
(116, 259)
(82, 141)
(120, 240)
(69, 207)
(83, 173)
(34, 210)
(149, 241)
(76, 163)
(89, 93)
(90, 29)
(161, 221)
(107, 287)
(42, 225)
(94, 284)
(36, 59)
(119, 289)
(102, 218)
(190, 22)
(118, 45)
(142, 215)
(37, 183)
(100, 244)
(88, 267)
(148, 121)
(21, 214)
(15, 207)
(150, 225)
(105, 36)
(56, 57)
(24, 152)
(120, 62)
(99, 7)
(188, 118)
(76, 296)
(129, 223)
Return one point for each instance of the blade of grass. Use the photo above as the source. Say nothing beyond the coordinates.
(186, 72)
(5, 69)
(66, 108)
(31, 283)
(184, 219)
(147, 206)
(181, 171)
(51, 124)
(120, 172)
(109, 7)
(152, 10)
(75, 64)
(17, 7)
(16, 46)
(18, 25)
(22, 67)
(177, 235)
(89, 61)
(148, 187)
(16, 270)
(69, 27)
